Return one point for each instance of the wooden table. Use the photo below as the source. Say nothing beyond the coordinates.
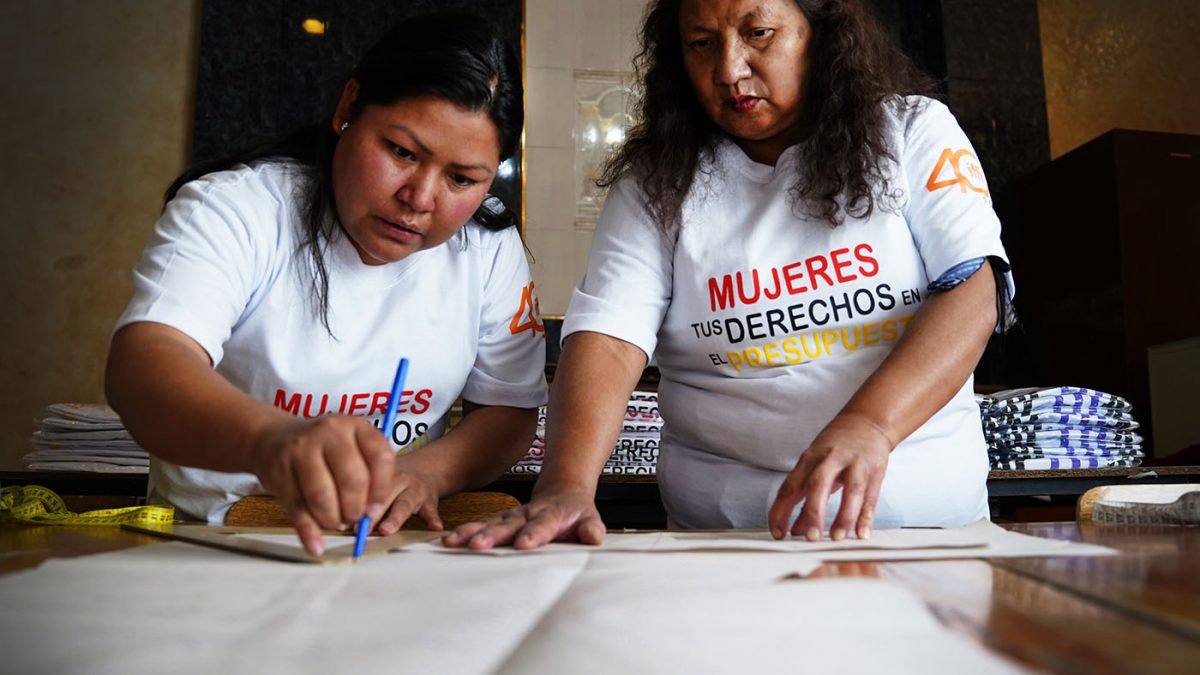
(1138, 612)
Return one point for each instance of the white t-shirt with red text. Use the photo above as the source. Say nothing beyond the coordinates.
(764, 323)
(224, 266)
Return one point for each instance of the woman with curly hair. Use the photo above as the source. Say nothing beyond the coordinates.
(806, 246)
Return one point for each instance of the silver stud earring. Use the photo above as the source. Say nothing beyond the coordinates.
(344, 126)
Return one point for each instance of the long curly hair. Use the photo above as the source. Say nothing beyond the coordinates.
(855, 69)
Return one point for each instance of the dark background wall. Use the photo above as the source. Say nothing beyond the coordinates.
(987, 60)
(1099, 236)
(987, 57)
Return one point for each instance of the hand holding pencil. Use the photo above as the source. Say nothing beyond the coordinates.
(412, 493)
(327, 472)
(333, 472)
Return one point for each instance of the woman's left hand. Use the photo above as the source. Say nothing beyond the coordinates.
(850, 454)
(416, 494)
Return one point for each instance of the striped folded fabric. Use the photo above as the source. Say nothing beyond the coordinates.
(1061, 463)
(636, 450)
(1027, 451)
(1059, 428)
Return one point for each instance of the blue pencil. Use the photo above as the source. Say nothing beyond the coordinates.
(389, 418)
(360, 535)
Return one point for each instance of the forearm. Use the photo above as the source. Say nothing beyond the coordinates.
(162, 384)
(483, 445)
(938, 351)
(587, 404)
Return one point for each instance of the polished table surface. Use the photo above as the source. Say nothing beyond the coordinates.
(1138, 612)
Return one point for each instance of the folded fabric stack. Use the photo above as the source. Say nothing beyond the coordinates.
(636, 451)
(85, 437)
(1059, 428)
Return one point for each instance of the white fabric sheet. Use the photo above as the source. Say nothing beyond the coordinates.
(716, 619)
(181, 608)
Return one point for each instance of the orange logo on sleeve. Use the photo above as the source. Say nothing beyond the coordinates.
(529, 314)
(961, 168)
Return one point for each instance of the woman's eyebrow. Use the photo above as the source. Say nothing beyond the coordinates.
(413, 136)
(416, 140)
(755, 14)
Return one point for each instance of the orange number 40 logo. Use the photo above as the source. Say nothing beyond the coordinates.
(529, 314)
(961, 168)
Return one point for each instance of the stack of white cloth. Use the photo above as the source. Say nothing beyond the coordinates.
(1059, 428)
(84, 437)
(636, 451)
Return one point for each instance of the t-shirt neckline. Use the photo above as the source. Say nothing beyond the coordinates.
(350, 266)
(731, 155)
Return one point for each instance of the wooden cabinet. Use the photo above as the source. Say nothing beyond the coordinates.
(1104, 243)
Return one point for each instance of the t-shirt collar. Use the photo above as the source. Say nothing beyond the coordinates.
(730, 155)
(347, 263)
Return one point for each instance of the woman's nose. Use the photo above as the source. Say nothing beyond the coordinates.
(419, 191)
(732, 66)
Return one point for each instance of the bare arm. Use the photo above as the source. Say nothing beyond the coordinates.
(327, 472)
(591, 392)
(587, 404)
(163, 385)
(938, 351)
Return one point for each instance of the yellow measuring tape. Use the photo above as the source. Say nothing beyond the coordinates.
(36, 505)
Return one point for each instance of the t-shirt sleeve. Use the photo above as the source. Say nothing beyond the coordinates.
(198, 273)
(627, 288)
(949, 209)
(510, 363)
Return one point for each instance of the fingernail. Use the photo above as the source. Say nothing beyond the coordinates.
(838, 534)
(342, 527)
(864, 533)
(776, 533)
(386, 528)
(375, 512)
(813, 534)
(318, 547)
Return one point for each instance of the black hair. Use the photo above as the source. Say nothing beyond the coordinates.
(459, 58)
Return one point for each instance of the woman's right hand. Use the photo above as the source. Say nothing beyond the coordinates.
(326, 472)
(555, 516)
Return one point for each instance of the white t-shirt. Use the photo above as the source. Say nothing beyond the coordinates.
(224, 266)
(764, 323)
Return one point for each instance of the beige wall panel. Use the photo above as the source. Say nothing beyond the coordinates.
(96, 121)
(1132, 64)
(561, 38)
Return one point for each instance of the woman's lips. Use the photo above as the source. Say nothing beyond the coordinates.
(400, 231)
(743, 104)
